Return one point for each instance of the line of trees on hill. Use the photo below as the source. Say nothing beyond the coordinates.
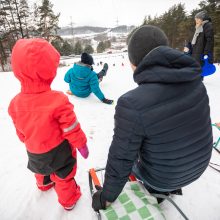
(180, 26)
(19, 20)
(66, 47)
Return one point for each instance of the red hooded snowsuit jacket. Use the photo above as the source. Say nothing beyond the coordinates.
(43, 118)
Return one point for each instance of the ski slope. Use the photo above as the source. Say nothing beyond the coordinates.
(21, 200)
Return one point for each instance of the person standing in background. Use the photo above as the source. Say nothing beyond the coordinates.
(203, 39)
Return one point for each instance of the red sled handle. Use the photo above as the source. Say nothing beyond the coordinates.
(132, 178)
(95, 179)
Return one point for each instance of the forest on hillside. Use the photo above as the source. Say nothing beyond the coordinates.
(19, 19)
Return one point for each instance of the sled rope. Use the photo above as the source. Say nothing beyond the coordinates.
(215, 164)
(214, 168)
(215, 144)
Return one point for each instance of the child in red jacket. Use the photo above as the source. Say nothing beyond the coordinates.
(45, 121)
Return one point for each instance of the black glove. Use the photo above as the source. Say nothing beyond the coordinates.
(97, 201)
(107, 101)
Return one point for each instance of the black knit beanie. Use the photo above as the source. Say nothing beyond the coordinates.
(143, 40)
(87, 59)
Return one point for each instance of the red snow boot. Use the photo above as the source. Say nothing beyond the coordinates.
(45, 187)
(76, 198)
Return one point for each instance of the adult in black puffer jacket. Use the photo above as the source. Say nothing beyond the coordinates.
(162, 128)
(203, 39)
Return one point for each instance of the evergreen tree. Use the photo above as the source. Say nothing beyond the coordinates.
(89, 49)
(216, 19)
(101, 47)
(171, 22)
(150, 21)
(78, 48)
(113, 39)
(58, 43)
(34, 21)
(24, 17)
(16, 17)
(8, 32)
(18, 21)
(217, 48)
(67, 49)
(10, 21)
(180, 28)
(2, 56)
(107, 44)
(48, 23)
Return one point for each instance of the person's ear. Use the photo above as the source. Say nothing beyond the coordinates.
(133, 67)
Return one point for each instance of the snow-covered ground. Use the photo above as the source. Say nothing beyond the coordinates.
(21, 200)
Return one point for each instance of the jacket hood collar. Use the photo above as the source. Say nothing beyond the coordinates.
(166, 65)
(82, 70)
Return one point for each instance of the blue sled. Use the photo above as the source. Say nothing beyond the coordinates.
(208, 68)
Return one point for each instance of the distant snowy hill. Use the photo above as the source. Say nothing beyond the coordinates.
(91, 30)
(80, 30)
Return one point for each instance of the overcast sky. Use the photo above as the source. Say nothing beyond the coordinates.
(105, 13)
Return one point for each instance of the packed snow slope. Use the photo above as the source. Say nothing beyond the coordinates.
(21, 200)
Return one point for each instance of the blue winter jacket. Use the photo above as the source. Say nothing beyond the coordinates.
(83, 81)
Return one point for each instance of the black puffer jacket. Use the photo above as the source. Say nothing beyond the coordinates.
(204, 44)
(165, 122)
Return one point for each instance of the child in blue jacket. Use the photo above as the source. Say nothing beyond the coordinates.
(83, 80)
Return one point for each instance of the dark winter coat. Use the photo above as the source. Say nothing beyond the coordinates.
(164, 122)
(204, 44)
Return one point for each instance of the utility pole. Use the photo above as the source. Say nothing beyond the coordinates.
(117, 22)
(71, 25)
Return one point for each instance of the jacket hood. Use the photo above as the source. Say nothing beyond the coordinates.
(34, 62)
(166, 65)
(81, 70)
